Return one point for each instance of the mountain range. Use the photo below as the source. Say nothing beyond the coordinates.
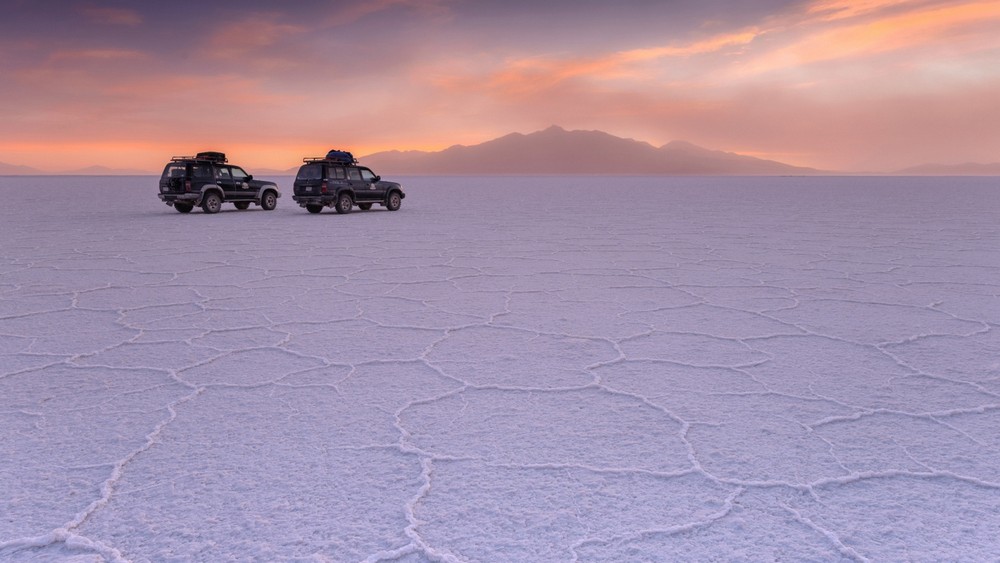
(17, 170)
(966, 169)
(558, 151)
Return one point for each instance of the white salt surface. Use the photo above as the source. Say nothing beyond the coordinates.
(507, 369)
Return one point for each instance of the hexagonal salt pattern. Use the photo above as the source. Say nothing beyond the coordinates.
(715, 369)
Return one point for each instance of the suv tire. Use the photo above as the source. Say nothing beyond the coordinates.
(344, 203)
(394, 201)
(241, 205)
(269, 201)
(314, 208)
(212, 203)
(183, 207)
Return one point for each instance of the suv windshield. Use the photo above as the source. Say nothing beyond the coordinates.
(310, 172)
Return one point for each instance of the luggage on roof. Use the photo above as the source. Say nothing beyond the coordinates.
(341, 157)
(214, 156)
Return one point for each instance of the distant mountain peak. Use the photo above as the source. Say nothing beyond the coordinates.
(17, 169)
(555, 150)
(678, 144)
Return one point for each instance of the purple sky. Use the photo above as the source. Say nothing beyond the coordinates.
(837, 84)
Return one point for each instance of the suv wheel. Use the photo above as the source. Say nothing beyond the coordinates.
(242, 205)
(269, 201)
(314, 208)
(344, 203)
(394, 202)
(212, 203)
(183, 207)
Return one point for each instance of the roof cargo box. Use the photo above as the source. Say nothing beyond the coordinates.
(341, 157)
(214, 156)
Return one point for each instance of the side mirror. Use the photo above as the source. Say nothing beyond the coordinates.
(377, 178)
(249, 177)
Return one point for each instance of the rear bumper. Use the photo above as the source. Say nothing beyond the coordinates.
(170, 199)
(304, 200)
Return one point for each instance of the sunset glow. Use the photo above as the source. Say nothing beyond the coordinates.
(856, 86)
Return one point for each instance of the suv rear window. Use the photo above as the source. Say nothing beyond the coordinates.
(174, 170)
(310, 172)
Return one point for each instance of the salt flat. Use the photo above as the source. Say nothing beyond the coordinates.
(506, 369)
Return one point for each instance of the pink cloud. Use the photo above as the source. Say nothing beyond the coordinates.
(348, 13)
(112, 16)
(250, 34)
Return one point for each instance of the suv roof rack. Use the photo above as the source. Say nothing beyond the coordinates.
(213, 157)
(322, 159)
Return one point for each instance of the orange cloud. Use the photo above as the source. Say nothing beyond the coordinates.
(864, 37)
(534, 74)
(831, 10)
(710, 45)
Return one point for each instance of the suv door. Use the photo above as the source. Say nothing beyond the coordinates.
(372, 190)
(241, 183)
(308, 180)
(336, 178)
(357, 183)
(224, 178)
(174, 176)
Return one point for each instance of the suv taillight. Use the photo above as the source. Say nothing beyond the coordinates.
(187, 185)
(322, 189)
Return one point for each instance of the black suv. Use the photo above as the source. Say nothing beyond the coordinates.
(206, 180)
(337, 181)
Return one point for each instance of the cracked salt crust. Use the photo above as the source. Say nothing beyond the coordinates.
(714, 369)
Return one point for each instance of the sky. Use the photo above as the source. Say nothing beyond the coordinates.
(866, 85)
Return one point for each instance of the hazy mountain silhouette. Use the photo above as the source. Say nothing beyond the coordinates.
(15, 169)
(557, 151)
(966, 169)
(105, 171)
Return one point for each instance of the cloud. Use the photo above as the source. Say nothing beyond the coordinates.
(250, 34)
(860, 33)
(530, 75)
(349, 13)
(832, 10)
(95, 55)
(111, 16)
(775, 77)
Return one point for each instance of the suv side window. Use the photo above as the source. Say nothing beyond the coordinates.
(222, 173)
(367, 175)
(353, 174)
(337, 173)
(238, 174)
(201, 171)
